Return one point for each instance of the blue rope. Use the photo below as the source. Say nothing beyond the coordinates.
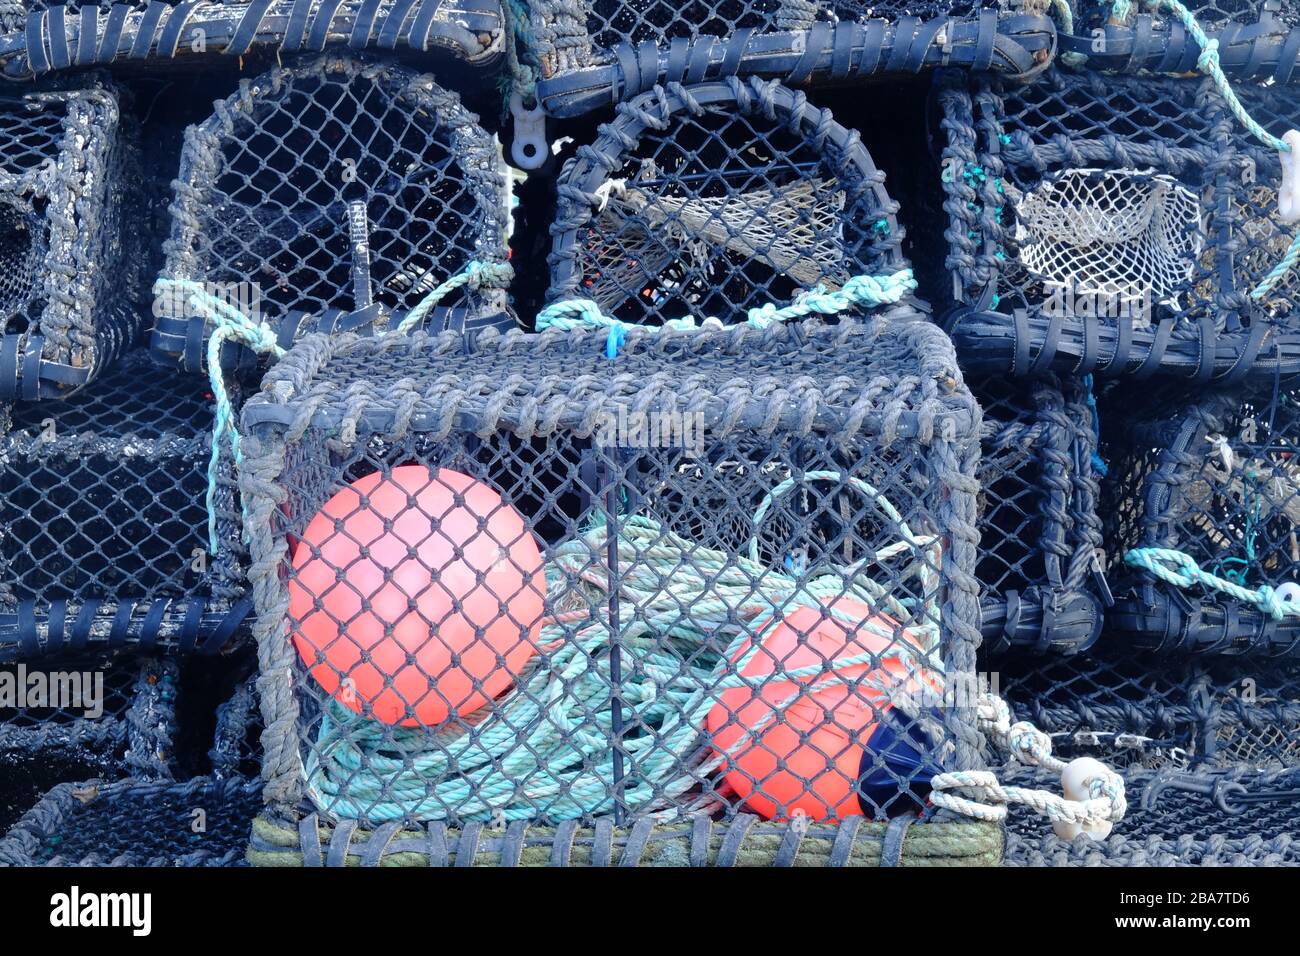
(1098, 463)
(1181, 570)
(861, 291)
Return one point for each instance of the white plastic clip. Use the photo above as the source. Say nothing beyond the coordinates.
(529, 149)
(1074, 784)
(1290, 593)
(1288, 193)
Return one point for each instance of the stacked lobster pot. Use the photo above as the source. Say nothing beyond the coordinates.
(1130, 240)
(739, 641)
(324, 194)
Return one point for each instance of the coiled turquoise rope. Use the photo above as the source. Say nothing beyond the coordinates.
(547, 747)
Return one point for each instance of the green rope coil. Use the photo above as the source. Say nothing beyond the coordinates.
(1181, 570)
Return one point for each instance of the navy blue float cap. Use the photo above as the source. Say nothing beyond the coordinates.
(896, 760)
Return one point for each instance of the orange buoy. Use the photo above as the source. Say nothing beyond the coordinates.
(416, 596)
(777, 770)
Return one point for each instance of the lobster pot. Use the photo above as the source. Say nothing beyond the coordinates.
(1039, 526)
(618, 690)
(332, 195)
(1139, 711)
(1205, 523)
(1205, 820)
(594, 49)
(1113, 224)
(709, 201)
(67, 256)
(160, 36)
(69, 717)
(106, 527)
(1257, 38)
(202, 822)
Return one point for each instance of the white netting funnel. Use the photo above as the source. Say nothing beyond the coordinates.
(796, 230)
(1119, 232)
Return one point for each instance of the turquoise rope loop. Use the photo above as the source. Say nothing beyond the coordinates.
(231, 325)
(1181, 570)
(861, 291)
(547, 745)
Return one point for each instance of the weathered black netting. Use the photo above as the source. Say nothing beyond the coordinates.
(156, 36)
(601, 644)
(269, 206)
(1112, 223)
(1139, 710)
(569, 37)
(201, 822)
(236, 741)
(71, 716)
(69, 258)
(1168, 825)
(715, 199)
(1212, 478)
(1039, 526)
(102, 502)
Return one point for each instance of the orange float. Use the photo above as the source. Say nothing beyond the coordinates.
(416, 596)
(802, 752)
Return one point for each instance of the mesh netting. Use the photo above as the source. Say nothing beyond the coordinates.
(572, 36)
(713, 200)
(1168, 826)
(202, 822)
(70, 716)
(1120, 232)
(1212, 14)
(1038, 507)
(1143, 711)
(102, 502)
(1215, 479)
(69, 263)
(558, 647)
(334, 185)
(1089, 204)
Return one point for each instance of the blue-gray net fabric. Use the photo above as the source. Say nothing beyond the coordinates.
(1214, 15)
(1165, 826)
(102, 498)
(564, 487)
(571, 36)
(1039, 521)
(69, 249)
(1027, 172)
(268, 183)
(202, 822)
(711, 200)
(1214, 477)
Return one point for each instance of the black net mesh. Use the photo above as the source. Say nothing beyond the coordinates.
(1038, 502)
(1091, 202)
(1170, 826)
(1208, 485)
(71, 270)
(102, 501)
(1137, 710)
(717, 199)
(1213, 15)
(334, 185)
(499, 620)
(571, 36)
(202, 822)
